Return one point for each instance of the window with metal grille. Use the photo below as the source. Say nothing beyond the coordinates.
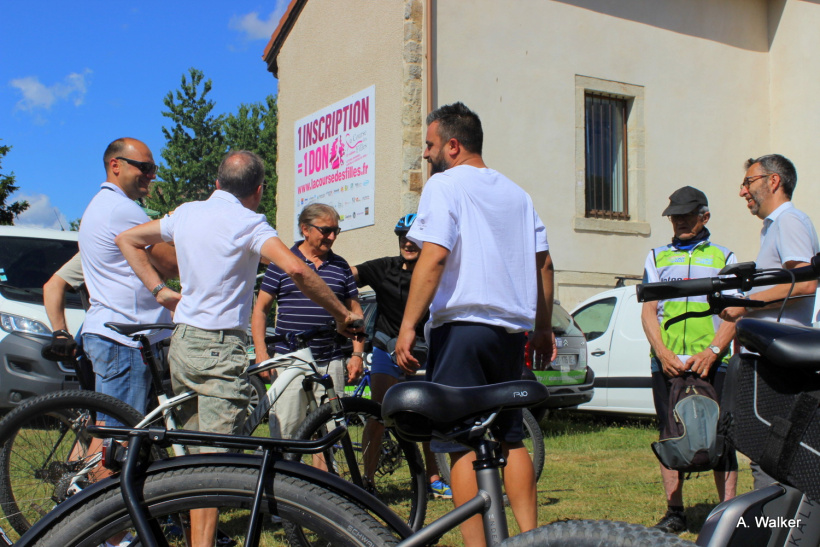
(606, 166)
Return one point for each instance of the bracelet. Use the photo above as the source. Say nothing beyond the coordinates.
(158, 288)
(359, 354)
(61, 332)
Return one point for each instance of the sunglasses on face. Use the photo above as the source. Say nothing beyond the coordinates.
(326, 230)
(146, 167)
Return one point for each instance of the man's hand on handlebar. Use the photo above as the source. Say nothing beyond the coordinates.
(732, 314)
(352, 326)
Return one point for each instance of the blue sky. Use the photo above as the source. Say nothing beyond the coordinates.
(76, 75)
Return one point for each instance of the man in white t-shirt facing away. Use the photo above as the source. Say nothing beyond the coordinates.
(486, 275)
(219, 242)
(115, 292)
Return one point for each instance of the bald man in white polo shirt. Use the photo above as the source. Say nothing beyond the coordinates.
(219, 243)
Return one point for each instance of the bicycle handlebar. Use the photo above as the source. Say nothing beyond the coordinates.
(744, 277)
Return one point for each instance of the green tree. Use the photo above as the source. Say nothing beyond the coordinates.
(253, 128)
(7, 187)
(194, 146)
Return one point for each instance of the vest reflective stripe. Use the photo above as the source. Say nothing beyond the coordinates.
(705, 260)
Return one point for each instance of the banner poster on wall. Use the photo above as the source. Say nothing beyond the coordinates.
(335, 159)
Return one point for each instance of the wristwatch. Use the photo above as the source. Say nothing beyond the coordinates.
(359, 354)
(716, 350)
(158, 288)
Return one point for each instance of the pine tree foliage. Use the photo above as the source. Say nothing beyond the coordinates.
(253, 128)
(194, 147)
(7, 187)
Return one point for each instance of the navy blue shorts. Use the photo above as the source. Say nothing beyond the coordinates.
(464, 354)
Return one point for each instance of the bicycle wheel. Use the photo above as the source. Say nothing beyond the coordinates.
(326, 518)
(533, 440)
(592, 533)
(258, 390)
(399, 480)
(46, 453)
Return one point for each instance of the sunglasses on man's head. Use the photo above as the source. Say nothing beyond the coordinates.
(327, 230)
(146, 167)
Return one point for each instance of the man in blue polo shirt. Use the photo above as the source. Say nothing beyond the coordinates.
(319, 224)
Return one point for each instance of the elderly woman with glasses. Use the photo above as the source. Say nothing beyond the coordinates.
(319, 225)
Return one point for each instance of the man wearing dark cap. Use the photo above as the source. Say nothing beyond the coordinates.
(699, 344)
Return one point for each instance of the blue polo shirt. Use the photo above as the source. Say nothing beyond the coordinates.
(296, 312)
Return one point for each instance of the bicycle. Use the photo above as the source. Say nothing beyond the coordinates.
(142, 498)
(533, 436)
(23, 508)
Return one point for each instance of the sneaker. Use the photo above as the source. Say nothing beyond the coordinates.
(439, 489)
(672, 523)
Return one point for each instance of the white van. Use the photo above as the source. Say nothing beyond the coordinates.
(28, 258)
(617, 351)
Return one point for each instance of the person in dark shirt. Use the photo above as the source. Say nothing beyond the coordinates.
(389, 277)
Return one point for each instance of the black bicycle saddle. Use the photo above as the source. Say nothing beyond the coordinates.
(784, 345)
(416, 409)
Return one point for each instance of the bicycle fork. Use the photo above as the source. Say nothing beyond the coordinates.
(339, 418)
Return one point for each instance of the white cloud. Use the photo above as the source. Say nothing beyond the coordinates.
(36, 95)
(40, 214)
(255, 28)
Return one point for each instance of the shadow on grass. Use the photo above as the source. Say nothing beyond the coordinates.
(568, 422)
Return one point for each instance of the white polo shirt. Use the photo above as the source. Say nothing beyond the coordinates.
(116, 294)
(218, 243)
(492, 231)
(787, 235)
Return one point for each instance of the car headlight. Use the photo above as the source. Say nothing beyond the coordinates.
(24, 325)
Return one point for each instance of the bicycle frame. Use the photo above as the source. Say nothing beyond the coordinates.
(266, 464)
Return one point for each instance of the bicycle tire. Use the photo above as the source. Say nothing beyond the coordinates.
(594, 533)
(258, 391)
(400, 479)
(532, 434)
(36, 444)
(330, 519)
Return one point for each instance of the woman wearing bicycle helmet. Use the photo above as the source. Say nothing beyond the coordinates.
(389, 277)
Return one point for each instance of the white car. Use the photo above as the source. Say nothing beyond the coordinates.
(617, 351)
(28, 258)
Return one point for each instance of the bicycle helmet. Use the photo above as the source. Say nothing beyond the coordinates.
(404, 223)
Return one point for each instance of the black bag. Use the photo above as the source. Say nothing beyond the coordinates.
(773, 418)
(691, 441)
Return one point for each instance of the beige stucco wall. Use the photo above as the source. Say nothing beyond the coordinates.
(794, 64)
(515, 65)
(336, 49)
(721, 80)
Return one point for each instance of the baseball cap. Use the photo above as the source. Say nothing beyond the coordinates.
(684, 201)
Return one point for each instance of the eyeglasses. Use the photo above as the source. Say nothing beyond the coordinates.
(326, 230)
(749, 180)
(146, 167)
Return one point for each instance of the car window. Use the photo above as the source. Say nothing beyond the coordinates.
(594, 318)
(563, 324)
(26, 263)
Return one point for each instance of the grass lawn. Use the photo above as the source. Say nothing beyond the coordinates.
(602, 468)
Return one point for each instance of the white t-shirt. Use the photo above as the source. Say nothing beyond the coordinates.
(218, 245)
(115, 291)
(787, 235)
(492, 231)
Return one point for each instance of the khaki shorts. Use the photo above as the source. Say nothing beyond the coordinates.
(291, 408)
(213, 364)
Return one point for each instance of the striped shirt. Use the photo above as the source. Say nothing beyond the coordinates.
(296, 312)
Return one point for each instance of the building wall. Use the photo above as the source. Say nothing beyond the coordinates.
(516, 66)
(794, 66)
(336, 49)
(720, 80)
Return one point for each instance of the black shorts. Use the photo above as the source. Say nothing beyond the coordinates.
(465, 354)
(660, 393)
